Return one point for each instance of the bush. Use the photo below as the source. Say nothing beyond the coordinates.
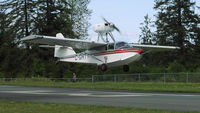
(176, 67)
(2, 75)
(158, 69)
(198, 69)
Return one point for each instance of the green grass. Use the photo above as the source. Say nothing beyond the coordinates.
(134, 86)
(35, 107)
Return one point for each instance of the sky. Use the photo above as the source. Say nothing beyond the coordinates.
(125, 14)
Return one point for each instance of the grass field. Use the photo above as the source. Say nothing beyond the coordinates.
(33, 107)
(134, 86)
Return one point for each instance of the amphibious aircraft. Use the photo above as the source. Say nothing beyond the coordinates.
(104, 54)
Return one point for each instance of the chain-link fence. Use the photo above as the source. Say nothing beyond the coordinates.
(149, 77)
(48, 79)
(139, 77)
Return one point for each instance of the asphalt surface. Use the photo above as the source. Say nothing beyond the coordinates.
(164, 101)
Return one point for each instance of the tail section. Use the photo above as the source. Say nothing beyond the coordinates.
(61, 51)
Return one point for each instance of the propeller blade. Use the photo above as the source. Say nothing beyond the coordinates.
(105, 20)
(117, 29)
(111, 25)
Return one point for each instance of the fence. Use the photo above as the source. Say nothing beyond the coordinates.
(139, 77)
(149, 77)
(48, 79)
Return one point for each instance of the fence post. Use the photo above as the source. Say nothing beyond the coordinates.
(92, 78)
(187, 78)
(164, 78)
(139, 77)
(115, 78)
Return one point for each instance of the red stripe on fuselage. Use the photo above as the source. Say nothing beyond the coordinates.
(119, 51)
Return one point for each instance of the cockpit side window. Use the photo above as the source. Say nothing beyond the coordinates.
(111, 46)
(119, 45)
(122, 45)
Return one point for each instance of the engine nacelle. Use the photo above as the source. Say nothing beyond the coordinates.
(103, 28)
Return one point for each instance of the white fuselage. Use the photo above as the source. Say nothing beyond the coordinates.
(109, 57)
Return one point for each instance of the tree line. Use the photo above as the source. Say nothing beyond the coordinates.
(20, 18)
(177, 23)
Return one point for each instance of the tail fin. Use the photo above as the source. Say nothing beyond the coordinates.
(61, 51)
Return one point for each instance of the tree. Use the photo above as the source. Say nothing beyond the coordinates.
(21, 15)
(42, 17)
(2, 26)
(147, 36)
(2, 35)
(197, 39)
(53, 17)
(176, 22)
(7, 46)
(80, 14)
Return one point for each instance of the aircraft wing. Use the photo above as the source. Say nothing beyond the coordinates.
(154, 47)
(52, 41)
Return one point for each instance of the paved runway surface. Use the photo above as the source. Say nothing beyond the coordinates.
(166, 101)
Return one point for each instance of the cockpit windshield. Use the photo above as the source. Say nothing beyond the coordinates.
(119, 45)
(122, 45)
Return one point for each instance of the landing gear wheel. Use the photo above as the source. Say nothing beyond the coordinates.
(103, 67)
(125, 68)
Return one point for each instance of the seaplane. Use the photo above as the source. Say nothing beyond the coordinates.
(102, 53)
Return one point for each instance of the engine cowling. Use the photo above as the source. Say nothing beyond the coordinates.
(103, 28)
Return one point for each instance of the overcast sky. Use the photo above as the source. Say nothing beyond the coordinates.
(125, 14)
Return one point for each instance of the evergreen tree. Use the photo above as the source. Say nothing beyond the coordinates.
(176, 22)
(21, 14)
(42, 17)
(2, 36)
(2, 26)
(197, 39)
(147, 36)
(80, 14)
(53, 17)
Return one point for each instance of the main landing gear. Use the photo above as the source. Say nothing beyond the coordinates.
(104, 68)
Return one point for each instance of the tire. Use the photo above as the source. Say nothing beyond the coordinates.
(126, 68)
(103, 67)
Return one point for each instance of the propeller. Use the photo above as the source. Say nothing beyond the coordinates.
(111, 25)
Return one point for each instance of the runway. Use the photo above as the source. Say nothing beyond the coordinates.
(163, 101)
